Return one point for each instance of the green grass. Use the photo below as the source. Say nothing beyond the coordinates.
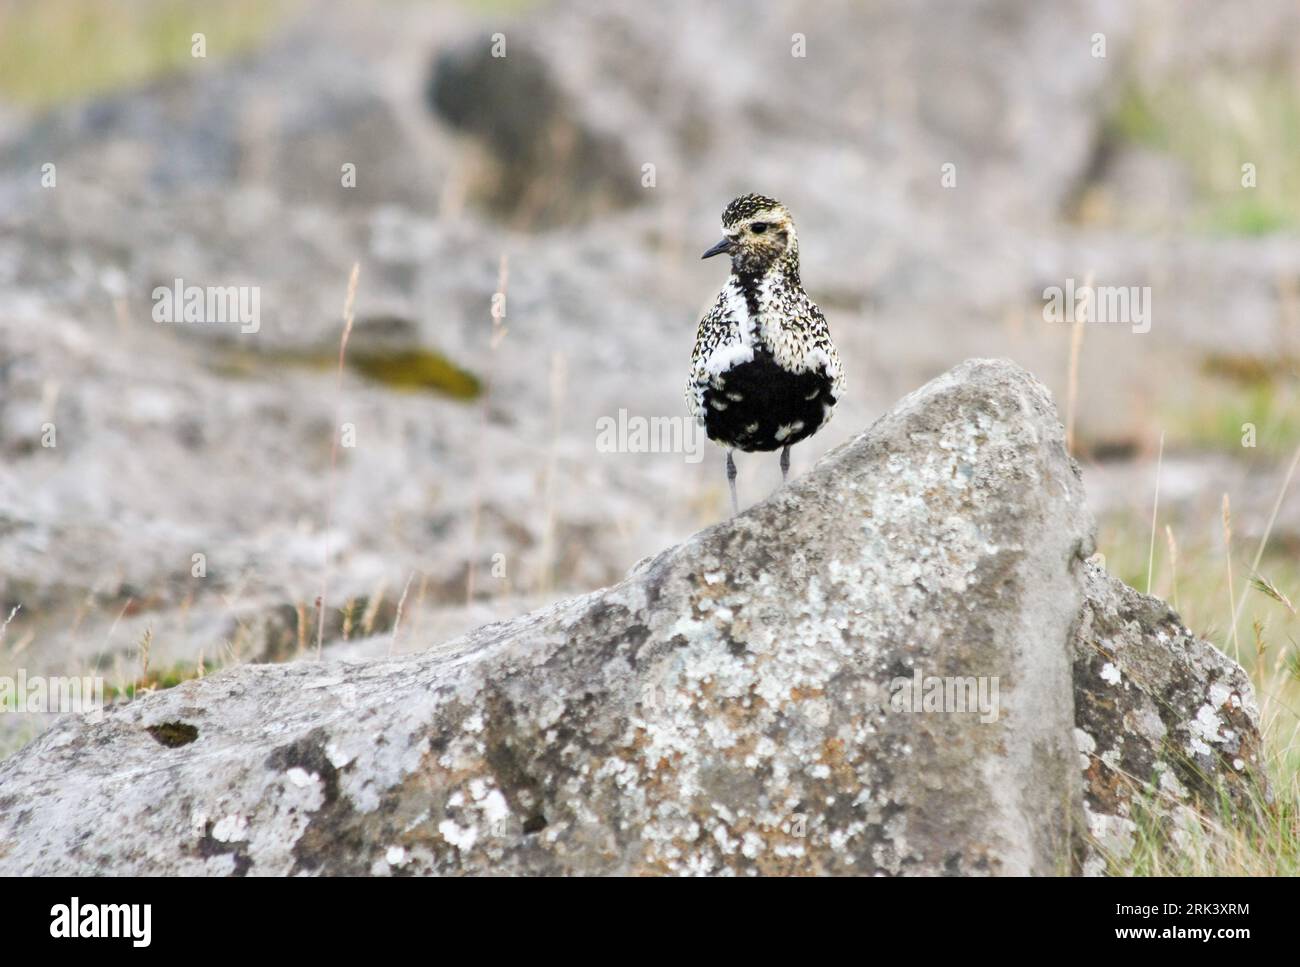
(58, 50)
(1238, 391)
(156, 680)
(1214, 125)
(1260, 841)
(1223, 840)
(1248, 215)
(53, 51)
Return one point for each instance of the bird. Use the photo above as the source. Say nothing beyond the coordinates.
(764, 372)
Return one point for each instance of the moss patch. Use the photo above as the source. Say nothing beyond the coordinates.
(409, 369)
(173, 734)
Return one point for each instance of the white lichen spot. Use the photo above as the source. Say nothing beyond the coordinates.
(338, 758)
(1110, 674)
(474, 723)
(699, 864)
(725, 842)
(461, 837)
(396, 856)
(1220, 694)
(1204, 730)
(1147, 722)
(788, 849)
(1086, 746)
(495, 807)
(230, 829)
(301, 777)
(1238, 764)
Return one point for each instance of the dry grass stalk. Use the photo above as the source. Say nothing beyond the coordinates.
(1232, 594)
(397, 618)
(1155, 510)
(348, 318)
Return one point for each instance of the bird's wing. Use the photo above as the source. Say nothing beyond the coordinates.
(822, 352)
(715, 330)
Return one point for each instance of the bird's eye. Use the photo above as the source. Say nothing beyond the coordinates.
(758, 228)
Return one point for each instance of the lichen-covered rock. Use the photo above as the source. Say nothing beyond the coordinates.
(737, 705)
(1164, 719)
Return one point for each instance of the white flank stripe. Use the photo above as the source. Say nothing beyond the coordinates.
(725, 357)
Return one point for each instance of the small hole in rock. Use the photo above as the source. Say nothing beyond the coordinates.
(174, 734)
(534, 824)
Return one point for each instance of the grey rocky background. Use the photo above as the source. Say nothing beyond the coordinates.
(731, 707)
(177, 440)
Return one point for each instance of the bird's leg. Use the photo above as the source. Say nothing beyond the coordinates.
(731, 482)
(785, 463)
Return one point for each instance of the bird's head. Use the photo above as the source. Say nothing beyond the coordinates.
(758, 234)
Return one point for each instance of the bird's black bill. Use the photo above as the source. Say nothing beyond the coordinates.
(723, 246)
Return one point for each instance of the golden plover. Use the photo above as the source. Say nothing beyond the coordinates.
(764, 373)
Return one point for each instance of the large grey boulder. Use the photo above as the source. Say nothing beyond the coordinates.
(738, 704)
